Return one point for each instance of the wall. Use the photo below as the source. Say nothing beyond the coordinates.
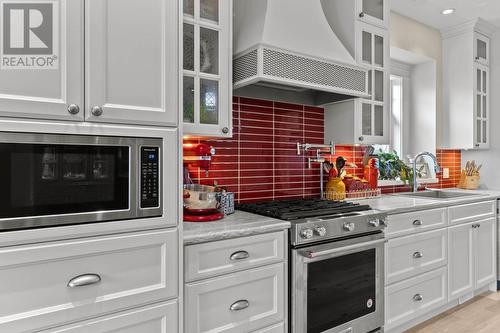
(491, 158)
(260, 162)
(413, 36)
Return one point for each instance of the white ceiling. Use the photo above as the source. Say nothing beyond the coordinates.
(429, 11)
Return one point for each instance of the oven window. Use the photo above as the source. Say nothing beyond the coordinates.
(41, 179)
(340, 289)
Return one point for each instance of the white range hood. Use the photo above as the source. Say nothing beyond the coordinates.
(289, 45)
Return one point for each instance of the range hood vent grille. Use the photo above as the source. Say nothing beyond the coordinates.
(287, 68)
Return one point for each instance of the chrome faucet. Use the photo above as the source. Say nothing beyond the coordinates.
(437, 168)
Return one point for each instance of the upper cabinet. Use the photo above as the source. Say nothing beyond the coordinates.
(131, 61)
(375, 12)
(53, 89)
(367, 39)
(466, 84)
(207, 67)
(481, 49)
(130, 74)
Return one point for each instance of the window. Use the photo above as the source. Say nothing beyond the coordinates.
(397, 114)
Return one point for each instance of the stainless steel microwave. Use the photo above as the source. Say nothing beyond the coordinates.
(52, 180)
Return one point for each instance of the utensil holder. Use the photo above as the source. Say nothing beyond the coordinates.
(469, 182)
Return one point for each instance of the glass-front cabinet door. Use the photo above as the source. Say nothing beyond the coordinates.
(481, 107)
(206, 41)
(372, 112)
(373, 11)
(481, 49)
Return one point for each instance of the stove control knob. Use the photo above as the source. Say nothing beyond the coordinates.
(374, 223)
(348, 226)
(320, 231)
(306, 233)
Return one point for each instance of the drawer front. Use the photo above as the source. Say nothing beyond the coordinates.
(161, 318)
(135, 269)
(409, 223)
(472, 212)
(226, 256)
(238, 302)
(414, 297)
(278, 328)
(412, 255)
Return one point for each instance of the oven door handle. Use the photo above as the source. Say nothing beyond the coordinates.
(311, 253)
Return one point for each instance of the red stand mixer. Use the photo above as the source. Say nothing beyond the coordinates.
(200, 201)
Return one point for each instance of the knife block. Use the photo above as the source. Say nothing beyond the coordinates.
(469, 182)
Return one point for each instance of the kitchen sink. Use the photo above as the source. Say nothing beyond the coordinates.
(440, 195)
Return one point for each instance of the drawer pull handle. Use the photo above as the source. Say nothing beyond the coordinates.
(418, 298)
(240, 255)
(84, 280)
(418, 255)
(417, 223)
(239, 305)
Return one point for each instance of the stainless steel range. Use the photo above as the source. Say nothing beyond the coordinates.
(337, 264)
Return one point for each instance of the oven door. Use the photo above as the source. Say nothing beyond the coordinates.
(338, 287)
(50, 180)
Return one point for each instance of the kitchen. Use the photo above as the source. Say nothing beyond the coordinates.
(249, 166)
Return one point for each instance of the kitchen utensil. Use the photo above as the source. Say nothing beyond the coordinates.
(226, 200)
(340, 163)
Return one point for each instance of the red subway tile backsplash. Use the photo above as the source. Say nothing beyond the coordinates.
(260, 162)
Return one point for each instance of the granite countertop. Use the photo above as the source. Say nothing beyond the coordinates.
(397, 203)
(235, 225)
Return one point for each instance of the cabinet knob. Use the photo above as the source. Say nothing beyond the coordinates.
(239, 305)
(418, 255)
(418, 298)
(239, 255)
(361, 138)
(477, 58)
(73, 109)
(225, 130)
(96, 111)
(84, 280)
(361, 14)
(417, 223)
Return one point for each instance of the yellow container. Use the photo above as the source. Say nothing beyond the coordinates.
(335, 189)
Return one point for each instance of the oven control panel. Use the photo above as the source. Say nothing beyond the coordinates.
(150, 183)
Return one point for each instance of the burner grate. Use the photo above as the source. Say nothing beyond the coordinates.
(297, 209)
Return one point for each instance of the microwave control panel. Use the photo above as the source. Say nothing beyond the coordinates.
(150, 184)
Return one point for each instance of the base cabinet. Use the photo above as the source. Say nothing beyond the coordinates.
(472, 262)
(429, 271)
(161, 318)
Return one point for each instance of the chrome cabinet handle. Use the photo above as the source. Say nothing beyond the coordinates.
(418, 298)
(239, 305)
(239, 255)
(418, 255)
(417, 223)
(361, 14)
(73, 109)
(361, 138)
(96, 111)
(84, 280)
(225, 130)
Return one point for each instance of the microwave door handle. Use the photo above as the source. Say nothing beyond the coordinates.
(311, 253)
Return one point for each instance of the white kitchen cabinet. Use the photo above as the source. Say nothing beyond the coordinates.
(130, 73)
(472, 256)
(50, 92)
(131, 61)
(239, 302)
(158, 318)
(461, 260)
(485, 270)
(369, 116)
(481, 49)
(207, 67)
(49, 284)
(375, 12)
(466, 86)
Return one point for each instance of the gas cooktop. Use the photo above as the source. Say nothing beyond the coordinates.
(305, 208)
(316, 220)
